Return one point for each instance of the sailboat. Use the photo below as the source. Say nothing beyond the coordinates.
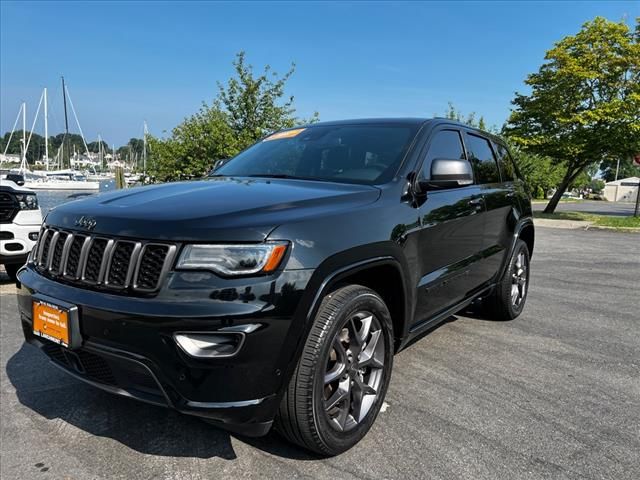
(61, 179)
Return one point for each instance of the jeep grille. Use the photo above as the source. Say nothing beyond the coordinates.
(101, 261)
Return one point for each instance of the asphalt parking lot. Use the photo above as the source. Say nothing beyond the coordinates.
(597, 207)
(553, 394)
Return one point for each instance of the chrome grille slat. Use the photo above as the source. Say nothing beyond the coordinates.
(51, 250)
(57, 254)
(65, 254)
(98, 261)
(42, 245)
(73, 256)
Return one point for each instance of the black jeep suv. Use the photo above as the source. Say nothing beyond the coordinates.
(276, 291)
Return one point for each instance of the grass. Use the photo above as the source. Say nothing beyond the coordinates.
(599, 220)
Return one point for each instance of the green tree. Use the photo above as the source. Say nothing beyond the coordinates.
(454, 114)
(72, 142)
(625, 169)
(36, 145)
(246, 109)
(94, 147)
(131, 153)
(584, 104)
(193, 147)
(256, 104)
(541, 174)
(597, 185)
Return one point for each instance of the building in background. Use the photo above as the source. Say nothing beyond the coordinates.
(624, 190)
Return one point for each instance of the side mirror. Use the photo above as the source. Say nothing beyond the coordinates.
(16, 178)
(448, 173)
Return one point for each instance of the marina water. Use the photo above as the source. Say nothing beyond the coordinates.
(52, 198)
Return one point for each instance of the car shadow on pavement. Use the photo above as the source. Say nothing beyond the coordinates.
(4, 278)
(147, 429)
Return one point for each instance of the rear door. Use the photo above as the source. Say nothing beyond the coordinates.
(498, 197)
(450, 236)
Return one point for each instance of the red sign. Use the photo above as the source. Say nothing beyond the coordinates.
(636, 160)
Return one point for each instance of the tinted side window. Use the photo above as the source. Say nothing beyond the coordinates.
(481, 156)
(506, 163)
(445, 144)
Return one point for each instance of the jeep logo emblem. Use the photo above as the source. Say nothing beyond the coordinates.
(86, 222)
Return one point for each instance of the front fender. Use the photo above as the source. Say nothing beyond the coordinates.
(330, 273)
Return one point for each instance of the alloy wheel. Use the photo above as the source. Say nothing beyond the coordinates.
(519, 278)
(354, 371)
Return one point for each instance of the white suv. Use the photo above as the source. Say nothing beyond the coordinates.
(20, 220)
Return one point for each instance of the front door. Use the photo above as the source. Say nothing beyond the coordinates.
(450, 236)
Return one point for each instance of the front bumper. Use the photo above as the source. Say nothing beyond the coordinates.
(127, 345)
(15, 250)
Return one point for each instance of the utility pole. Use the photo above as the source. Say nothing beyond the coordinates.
(617, 168)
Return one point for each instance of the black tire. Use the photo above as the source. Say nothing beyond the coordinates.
(302, 417)
(501, 304)
(12, 271)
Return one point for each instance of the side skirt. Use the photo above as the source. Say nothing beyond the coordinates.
(423, 325)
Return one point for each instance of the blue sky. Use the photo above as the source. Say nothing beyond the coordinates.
(125, 62)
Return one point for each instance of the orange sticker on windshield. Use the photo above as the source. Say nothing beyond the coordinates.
(285, 134)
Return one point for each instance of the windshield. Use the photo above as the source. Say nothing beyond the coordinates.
(369, 154)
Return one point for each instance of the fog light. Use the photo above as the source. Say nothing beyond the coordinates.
(33, 236)
(210, 345)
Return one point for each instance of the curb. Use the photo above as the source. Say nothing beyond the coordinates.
(615, 229)
(563, 224)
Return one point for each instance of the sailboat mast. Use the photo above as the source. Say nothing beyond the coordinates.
(66, 120)
(23, 160)
(144, 152)
(46, 131)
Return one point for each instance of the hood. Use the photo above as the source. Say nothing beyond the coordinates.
(218, 209)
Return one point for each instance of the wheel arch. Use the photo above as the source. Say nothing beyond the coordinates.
(527, 234)
(524, 231)
(383, 276)
(336, 272)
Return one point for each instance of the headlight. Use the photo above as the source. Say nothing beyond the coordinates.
(233, 259)
(27, 201)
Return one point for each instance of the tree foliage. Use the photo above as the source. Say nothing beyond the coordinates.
(597, 185)
(36, 148)
(626, 169)
(584, 105)
(193, 147)
(453, 114)
(540, 173)
(246, 108)
(94, 147)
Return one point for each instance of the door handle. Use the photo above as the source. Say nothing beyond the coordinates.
(511, 194)
(476, 202)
